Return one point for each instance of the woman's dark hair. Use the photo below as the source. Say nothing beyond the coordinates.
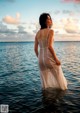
(42, 20)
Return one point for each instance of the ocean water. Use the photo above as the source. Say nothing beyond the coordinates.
(20, 85)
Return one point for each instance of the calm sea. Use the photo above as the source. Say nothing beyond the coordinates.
(20, 85)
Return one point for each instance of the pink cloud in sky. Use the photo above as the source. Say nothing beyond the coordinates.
(75, 1)
(12, 20)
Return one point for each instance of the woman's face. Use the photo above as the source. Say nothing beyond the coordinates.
(49, 21)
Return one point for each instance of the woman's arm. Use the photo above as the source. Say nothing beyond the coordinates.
(36, 46)
(50, 46)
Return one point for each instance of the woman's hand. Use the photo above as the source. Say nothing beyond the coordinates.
(58, 62)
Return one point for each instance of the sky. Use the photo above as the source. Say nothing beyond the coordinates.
(19, 19)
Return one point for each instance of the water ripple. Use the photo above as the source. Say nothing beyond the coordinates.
(20, 85)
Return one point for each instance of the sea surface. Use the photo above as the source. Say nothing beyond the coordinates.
(20, 84)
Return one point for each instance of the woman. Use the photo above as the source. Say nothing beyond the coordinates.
(50, 66)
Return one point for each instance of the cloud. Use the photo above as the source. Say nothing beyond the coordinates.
(67, 37)
(12, 20)
(5, 29)
(21, 29)
(31, 28)
(77, 1)
(18, 34)
(26, 32)
(57, 25)
(67, 25)
(70, 25)
(68, 1)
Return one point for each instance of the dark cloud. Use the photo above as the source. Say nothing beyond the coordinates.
(21, 29)
(13, 35)
(5, 29)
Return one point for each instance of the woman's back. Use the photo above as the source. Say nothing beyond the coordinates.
(42, 37)
(46, 60)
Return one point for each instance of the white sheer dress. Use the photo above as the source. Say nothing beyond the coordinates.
(50, 73)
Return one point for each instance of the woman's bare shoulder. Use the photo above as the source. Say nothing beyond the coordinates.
(38, 32)
(51, 32)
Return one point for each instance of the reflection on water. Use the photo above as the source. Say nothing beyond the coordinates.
(51, 100)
